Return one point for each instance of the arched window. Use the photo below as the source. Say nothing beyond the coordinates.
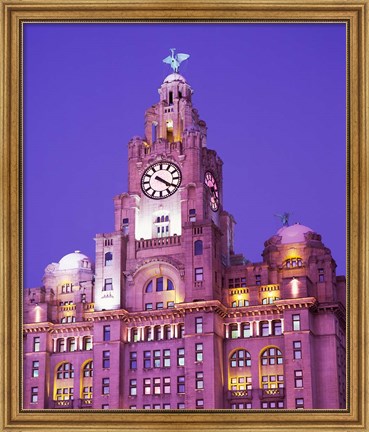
(60, 345)
(134, 334)
(271, 356)
(149, 287)
(108, 259)
(157, 333)
(240, 358)
(198, 247)
(71, 344)
(233, 331)
(148, 333)
(246, 330)
(88, 369)
(65, 371)
(167, 332)
(170, 285)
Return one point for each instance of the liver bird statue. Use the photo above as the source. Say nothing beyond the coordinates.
(284, 217)
(175, 60)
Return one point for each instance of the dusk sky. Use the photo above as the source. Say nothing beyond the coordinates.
(273, 97)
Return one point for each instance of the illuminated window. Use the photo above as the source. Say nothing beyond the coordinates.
(272, 381)
(87, 343)
(133, 387)
(170, 304)
(106, 359)
(233, 330)
(181, 384)
(199, 352)
(241, 383)
(199, 380)
(125, 226)
(71, 344)
(134, 332)
(108, 284)
(35, 368)
(166, 358)
(198, 325)
(181, 405)
(199, 403)
(157, 359)
(299, 403)
(297, 350)
(199, 274)
(166, 385)
(105, 386)
(180, 356)
(106, 333)
(88, 370)
(240, 358)
(277, 328)
(296, 322)
(160, 283)
(159, 305)
(34, 394)
(298, 379)
(65, 371)
(264, 328)
(157, 386)
(272, 405)
(148, 306)
(108, 259)
(198, 247)
(87, 392)
(246, 330)
(36, 344)
(161, 226)
(271, 356)
(60, 345)
(147, 386)
(133, 360)
(65, 393)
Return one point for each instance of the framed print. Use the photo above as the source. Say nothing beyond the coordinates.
(185, 224)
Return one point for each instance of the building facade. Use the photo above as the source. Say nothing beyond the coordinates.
(168, 316)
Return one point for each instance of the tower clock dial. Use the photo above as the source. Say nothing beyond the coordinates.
(161, 180)
(214, 191)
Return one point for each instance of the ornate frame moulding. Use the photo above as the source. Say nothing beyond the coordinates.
(16, 12)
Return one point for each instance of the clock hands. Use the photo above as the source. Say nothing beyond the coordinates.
(163, 181)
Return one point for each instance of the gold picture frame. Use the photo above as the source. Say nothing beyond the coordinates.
(13, 13)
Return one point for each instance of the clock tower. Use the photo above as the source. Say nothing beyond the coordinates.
(172, 217)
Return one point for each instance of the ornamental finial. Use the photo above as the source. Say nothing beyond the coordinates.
(175, 60)
(284, 217)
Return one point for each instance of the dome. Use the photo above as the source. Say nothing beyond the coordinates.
(72, 261)
(174, 77)
(293, 234)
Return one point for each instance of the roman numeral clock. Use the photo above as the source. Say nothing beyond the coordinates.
(161, 180)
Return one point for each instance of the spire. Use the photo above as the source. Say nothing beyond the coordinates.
(175, 60)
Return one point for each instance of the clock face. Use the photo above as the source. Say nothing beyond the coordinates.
(161, 180)
(214, 191)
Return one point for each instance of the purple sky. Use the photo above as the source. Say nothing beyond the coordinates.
(273, 97)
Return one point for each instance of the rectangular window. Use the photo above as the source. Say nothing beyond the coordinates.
(159, 284)
(36, 344)
(296, 323)
(170, 304)
(199, 352)
(157, 362)
(159, 305)
(148, 306)
(166, 385)
(156, 406)
(133, 387)
(192, 215)
(243, 282)
(125, 226)
(199, 403)
(35, 368)
(198, 325)
(147, 359)
(233, 329)
(321, 275)
(147, 386)
(157, 389)
(34, 394)
(166, 406)
(246, 330)
(277, 328)
(299, 403)
(298, 379)
(105, 406)
(230, 283)
(199, 274)
(199, 380)
(181, 405)
(180, 356)
(181, 330)
(264, 329)
(106, 359)
(147, 407)
(133, 360)
(297, 351)
(108, 284)
(166, 358)
(105, 386)
(106, 333)
(258, 279)
(181, 384)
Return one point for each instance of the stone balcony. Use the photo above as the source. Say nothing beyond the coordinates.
(63, 404)
(272, 393)
(239, 394)
(158, 242)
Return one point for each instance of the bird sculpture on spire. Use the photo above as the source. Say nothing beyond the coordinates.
(284, 218)
(175, 60)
